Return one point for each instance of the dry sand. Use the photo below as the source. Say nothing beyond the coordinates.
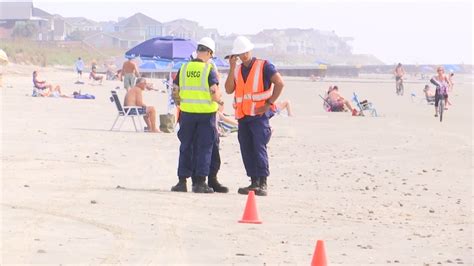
(393, 189)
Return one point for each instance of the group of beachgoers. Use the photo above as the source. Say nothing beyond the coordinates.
(226, 123)
(443, 84)
(129, 74)
(135, 84)
(79, 66)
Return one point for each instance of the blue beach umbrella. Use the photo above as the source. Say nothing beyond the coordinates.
(219, 62)
(452, 68)
(169, 48)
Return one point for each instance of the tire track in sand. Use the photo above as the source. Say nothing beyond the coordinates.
(121, 236)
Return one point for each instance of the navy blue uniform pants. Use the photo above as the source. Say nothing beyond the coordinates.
(197, 134)
(215, 160)
(254, 134)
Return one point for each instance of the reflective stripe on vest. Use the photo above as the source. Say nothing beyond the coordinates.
(250, 94)
(256, 97)
(194, 88)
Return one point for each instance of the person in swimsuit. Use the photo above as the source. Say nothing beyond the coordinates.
(95, 76)
(429, 94)
(134, 97)
(129, 73)
(43, 88)
(442, 84)
(283, 105)
(337, 102)
(399, 73)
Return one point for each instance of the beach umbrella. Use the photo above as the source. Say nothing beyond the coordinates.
(3, 57)
(322, 64)
(164, 48)
(154, 66)
(452, 68)
(177, 65)
(148, 66)
(219, 62)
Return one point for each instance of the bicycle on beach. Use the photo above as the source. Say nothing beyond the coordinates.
(441, 105)
(399, 86)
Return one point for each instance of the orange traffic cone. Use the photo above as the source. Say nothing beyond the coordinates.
(250, 213)
(319, 256)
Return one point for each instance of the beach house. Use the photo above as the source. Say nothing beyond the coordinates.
(23, 20)
(139, 26)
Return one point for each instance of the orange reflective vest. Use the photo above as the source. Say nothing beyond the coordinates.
(250, 95)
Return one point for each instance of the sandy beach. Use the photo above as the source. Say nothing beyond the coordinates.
(396, 189)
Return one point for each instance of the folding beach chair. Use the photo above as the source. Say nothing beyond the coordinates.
(227, 128)
(429, 100)
(364, 106)
(326, 105)
(129, 111)
(35, 92)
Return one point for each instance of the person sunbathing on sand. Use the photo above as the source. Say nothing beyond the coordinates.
(225, 123)
(95, 76)
(134, 97)
(44, 89)
(337, 102)
(283, 105)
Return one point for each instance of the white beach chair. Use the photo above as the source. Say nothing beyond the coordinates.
(125, 112)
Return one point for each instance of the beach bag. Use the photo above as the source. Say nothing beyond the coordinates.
(167, 123)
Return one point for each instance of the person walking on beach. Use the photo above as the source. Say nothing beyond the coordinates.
(256, 85)
(196, 90)
(129, 73)
(399, 73)
(79, 67)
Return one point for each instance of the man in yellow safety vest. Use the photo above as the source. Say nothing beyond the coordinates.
(196, 91)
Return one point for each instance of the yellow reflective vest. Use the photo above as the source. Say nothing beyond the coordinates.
(194, 88)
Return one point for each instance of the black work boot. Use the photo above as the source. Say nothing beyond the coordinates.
(181, 186)
(253, 186)
(262, 189)
(214, 184)
(200, 186)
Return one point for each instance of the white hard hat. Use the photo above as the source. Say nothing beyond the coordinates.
(242, 45)
(209, 43)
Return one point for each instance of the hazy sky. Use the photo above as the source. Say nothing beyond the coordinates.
(403, 31)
